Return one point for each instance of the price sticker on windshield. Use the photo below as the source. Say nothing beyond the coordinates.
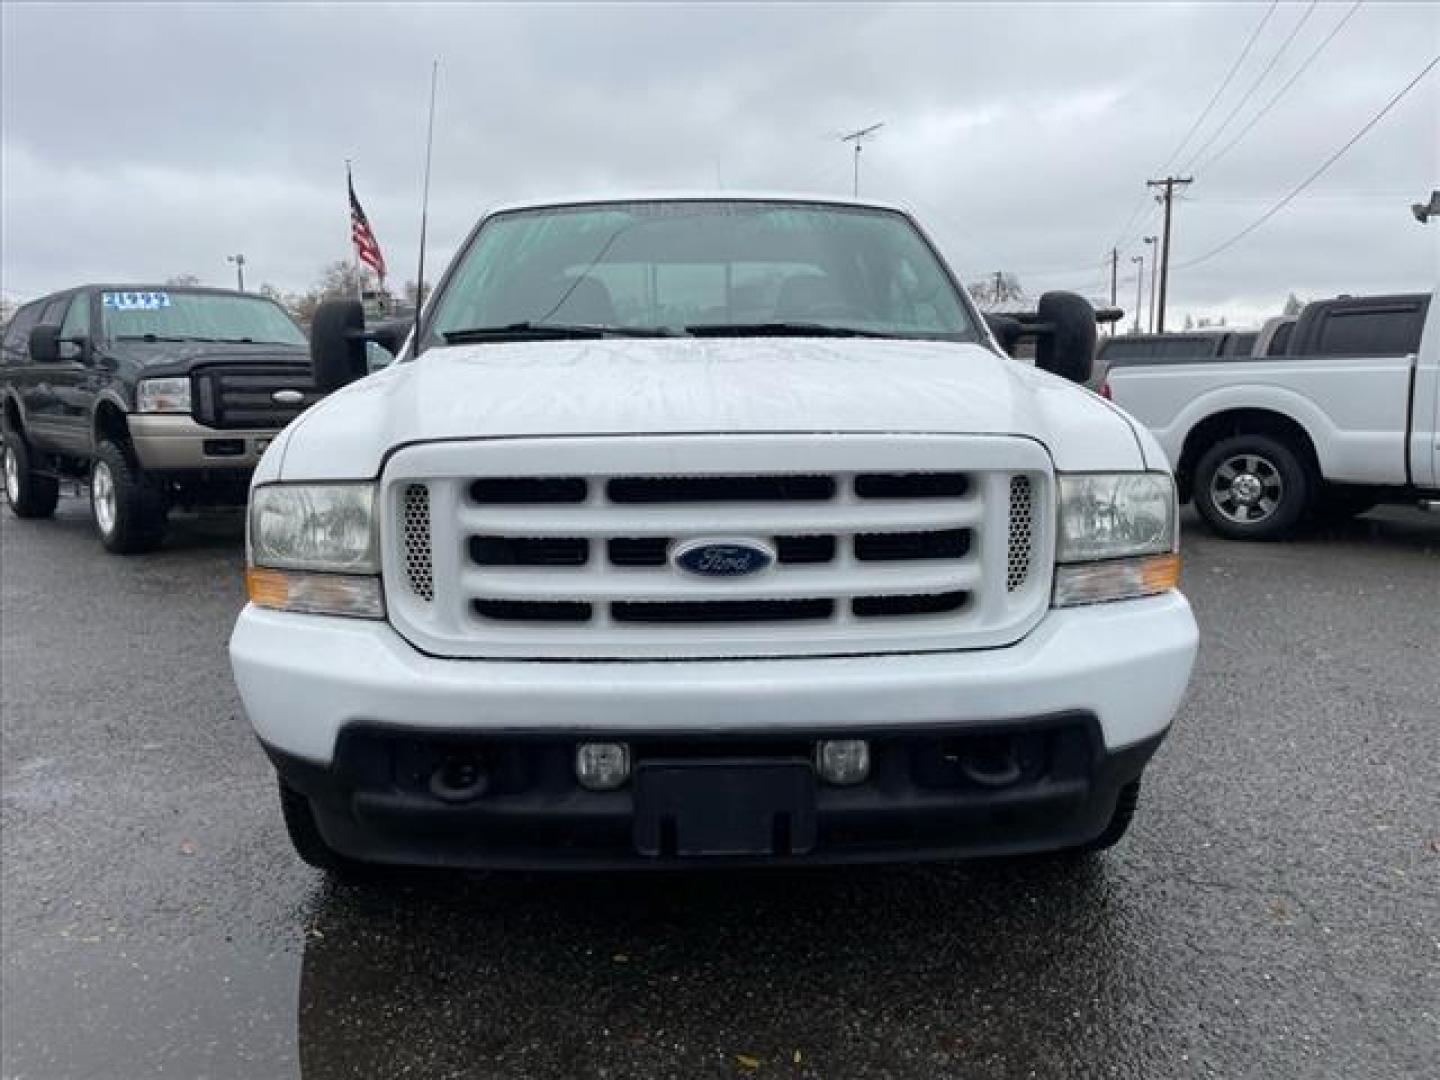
(135, 301)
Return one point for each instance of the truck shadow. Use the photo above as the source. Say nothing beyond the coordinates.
(879, 971)
(1390, 527)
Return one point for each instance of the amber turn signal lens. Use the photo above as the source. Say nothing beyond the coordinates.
(355, 595)
(1116, 579)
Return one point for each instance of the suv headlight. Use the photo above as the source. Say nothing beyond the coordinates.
(1118, 537)
(167, 395)
(314, 548)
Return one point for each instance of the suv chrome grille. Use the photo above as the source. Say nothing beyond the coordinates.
(910, 555)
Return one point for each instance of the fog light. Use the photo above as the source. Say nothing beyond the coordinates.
(843, 761)
(602, 766)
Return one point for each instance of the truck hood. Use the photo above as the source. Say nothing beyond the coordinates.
(181, 357)
(693, 386)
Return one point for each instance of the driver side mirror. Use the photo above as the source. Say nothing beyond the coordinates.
(45, 344)
(1066, 345)
(338, 342)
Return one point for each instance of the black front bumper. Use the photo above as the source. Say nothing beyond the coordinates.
(1047, 783)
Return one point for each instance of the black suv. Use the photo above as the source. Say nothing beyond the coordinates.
(159, 396)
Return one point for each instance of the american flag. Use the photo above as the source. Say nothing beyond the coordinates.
(367, 248)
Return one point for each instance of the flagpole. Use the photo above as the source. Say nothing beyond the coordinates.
(350, 236)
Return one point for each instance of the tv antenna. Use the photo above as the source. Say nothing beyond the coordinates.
(858, 138)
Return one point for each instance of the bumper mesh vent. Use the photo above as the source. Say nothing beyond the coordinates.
(415, 528)
(1022, 530)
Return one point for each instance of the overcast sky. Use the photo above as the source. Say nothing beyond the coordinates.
(141, 142)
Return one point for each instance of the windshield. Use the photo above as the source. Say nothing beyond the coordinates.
(191, 316)
(702, 267)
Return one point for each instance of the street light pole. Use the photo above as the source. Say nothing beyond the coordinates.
(239, 261)
(1154, 266)
(1139, 288)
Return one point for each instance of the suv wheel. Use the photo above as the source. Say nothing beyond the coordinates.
(129, 509)
(29, 494)
(1252, 487)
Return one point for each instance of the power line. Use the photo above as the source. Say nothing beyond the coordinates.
(1336, 156)
(1224, 83)
(1264, 109)
(1124, 230)
(1250, 92)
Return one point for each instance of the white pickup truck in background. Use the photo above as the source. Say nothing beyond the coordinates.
(1347, 418)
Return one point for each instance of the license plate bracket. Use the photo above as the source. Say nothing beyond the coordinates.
(719, 808)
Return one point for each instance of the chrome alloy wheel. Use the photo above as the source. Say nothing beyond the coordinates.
(1247, 489)
(102, 497)
(12, 476)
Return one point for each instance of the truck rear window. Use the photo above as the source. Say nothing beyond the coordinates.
(1391, 331)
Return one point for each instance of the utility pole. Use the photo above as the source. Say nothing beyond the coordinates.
(858, 137)
(1151, 241)
(239, 261)
(1114, 281)
(1139, 286)
(1169, 183)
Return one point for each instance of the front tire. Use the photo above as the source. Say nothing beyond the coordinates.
(1252, 487)
(129, 507)
(29, 494)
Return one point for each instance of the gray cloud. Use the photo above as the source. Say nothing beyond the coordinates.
(146, 141)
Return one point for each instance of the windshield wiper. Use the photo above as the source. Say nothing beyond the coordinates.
(781, 329)
(533, 331)
(157, 337)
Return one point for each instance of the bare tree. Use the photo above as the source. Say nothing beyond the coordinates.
(999, 288)
(182, 279)
(1293, 304)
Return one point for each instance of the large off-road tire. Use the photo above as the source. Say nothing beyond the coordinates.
(29, 494)
(311, 846)
(1252, 487)
(129, 507)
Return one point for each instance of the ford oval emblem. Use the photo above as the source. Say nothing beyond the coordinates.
(723, 558)
(287, 397)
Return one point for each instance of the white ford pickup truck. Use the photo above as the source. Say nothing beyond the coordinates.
(708, 529)
(1347, 417)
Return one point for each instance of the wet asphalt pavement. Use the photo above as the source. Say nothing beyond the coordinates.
(1275, 911)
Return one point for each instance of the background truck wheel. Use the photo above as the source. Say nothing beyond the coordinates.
(310, 845)
(129, 508)
(29, 494)
(1252, 487)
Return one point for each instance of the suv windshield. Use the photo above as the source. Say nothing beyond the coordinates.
(192, 316)
(699, 267)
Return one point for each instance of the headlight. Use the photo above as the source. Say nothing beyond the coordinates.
(313, 548)
(314, 527)
(163, 395)
(1117, 537)
(1112, 515)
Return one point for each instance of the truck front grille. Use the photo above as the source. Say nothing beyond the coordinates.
(243, 397)
(580, 563)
